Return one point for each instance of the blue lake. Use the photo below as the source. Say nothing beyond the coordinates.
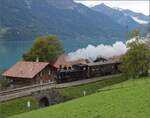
(12, 51)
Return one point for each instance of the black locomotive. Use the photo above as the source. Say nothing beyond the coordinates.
(89, 70)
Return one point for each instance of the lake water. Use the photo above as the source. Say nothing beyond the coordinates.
(12, 51)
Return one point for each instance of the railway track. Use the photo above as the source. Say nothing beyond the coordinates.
(28, 90)
(24, 91)
(23, 88)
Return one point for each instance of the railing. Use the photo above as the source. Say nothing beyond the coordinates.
(28, 90)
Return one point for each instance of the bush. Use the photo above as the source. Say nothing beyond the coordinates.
(3, 81)
(135, 62)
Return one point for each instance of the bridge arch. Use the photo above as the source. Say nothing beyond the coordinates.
(44, 102)
(49, 97)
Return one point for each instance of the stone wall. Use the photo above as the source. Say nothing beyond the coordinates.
(51, 96)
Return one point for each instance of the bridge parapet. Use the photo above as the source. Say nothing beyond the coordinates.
(24, 91)
(29, 90)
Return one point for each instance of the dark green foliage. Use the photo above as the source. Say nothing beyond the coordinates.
(135, 61)
(3, 81)
(17, 106)
(46, 49)
(1, 71)
(133, 34)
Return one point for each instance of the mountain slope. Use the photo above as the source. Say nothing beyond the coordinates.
(21, 21)
(72, 22)
(125, 18)
(139, 16)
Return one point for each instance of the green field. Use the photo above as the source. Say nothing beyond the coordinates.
(77, 91)
(17, 106)
(11, 108)
(126, 100)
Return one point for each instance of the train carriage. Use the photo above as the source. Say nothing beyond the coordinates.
(97, 69)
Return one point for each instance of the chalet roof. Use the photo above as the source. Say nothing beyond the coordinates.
(61, 60)
(24, 69)
(64, 61)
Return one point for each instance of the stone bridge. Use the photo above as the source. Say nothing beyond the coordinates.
(46, 93)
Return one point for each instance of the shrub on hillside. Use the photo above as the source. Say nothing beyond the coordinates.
(135, 62)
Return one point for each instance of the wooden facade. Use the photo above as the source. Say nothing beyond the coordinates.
(28, 73)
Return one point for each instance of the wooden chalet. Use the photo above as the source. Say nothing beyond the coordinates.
(28, 73)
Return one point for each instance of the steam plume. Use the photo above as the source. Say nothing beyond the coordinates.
(92, 52)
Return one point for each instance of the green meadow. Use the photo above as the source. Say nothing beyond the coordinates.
(19, 105)
(129, 99)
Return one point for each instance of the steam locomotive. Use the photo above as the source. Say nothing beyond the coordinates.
(89, 70)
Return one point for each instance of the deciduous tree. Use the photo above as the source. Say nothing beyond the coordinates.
(46, 49)
(135, 62)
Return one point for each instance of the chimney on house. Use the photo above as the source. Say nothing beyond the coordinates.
(37, 59)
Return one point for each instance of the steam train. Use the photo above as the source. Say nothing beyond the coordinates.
(89, 70)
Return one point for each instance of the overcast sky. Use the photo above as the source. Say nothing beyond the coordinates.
(141, 6)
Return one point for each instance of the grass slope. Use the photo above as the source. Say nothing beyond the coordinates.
(90, 88)
(128, 100)
(9, 108)
(17, 106)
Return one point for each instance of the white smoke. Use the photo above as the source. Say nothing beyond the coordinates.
(139, 39)
(92, 52)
